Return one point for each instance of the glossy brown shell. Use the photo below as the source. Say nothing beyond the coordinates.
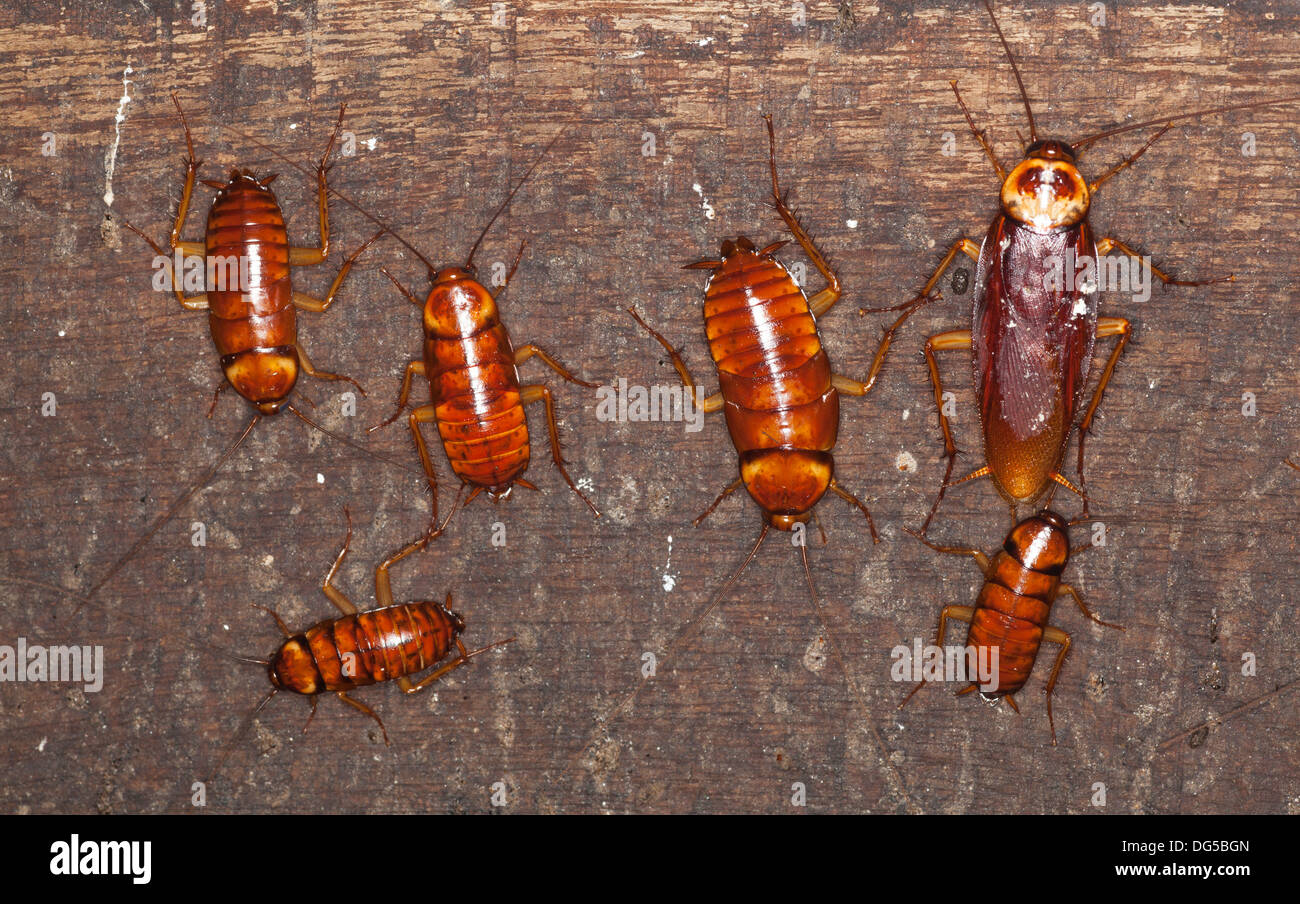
(339, 654)
(470, 364)
(1019, 589)
(1031, 350)
(782, 411)
(255, 330)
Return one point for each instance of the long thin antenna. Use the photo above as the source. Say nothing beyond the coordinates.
(1240, 710)
(171, 511)
(1083, 143)
(1024, 95)
(469, 261)
(351, 443)
(338, 194)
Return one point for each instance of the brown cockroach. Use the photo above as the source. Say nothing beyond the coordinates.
(253, 326)
(777, 390)
(1021, 581)
(394, 642)
(476, 397)
(1033, 326)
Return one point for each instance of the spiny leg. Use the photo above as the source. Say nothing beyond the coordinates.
(464, 657)
(424, 415)
(927, 293)
(524, 352)
(731, 488)
(320, 305)
(855, 388)
(335, 595)
(1106, 245)
(848, 497)
(961, 613)
(980, 559)
(1057, 636)
(413, 369)
(823, 300)
(189, 303)
(1106, 326)
(946, 341)
(538, 393)
(361, 707)
(979, 135)
(1125, 164)
(299, 256)
(216, 395)
(322, 374)
(709, 404)
(1064, 589)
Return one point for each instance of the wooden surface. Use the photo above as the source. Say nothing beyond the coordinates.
(1199, 564)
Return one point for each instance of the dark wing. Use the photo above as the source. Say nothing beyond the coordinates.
(1034, 323)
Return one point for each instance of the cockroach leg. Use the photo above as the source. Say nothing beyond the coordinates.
(826, 298)
(1065, 589)
(1125, 164)
(844, 494)
(413, 369)
(189, 303)
(711, 403)
(216, 395)
(362, 708)
(979, 135)
(980, 558)
(322, 374)
(299, 256)
(423, 415)
(513, 267)
(1106, 245)
(335, 595)
(947, 341)
(320, 305)
(960, 613)
(539, 393)
(523, 353)
(731, 488)
(1106, 326)
(1057, 636)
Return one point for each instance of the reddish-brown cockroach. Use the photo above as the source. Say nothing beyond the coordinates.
(476, 397)
(253, 325)
(1021, 581)
(391, 643)
(1033, 324)
(777, 390)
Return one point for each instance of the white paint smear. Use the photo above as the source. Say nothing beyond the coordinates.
(110, 159)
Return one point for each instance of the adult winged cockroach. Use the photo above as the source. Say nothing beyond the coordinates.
(1034, 319)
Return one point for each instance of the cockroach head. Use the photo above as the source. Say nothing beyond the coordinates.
(456, 619)
(454, 272)
(787, 522)
(1046, 192)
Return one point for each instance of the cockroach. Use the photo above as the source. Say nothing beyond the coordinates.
(253, 326)
(1033, 326)
(1021, 581)
(476, 396)
(394, 642)
(778, 392)
(780, 398)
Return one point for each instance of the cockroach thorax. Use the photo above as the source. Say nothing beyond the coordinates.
(1046, 191)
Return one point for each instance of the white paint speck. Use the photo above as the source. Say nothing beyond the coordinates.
(40, 748)
(1080, 308)
(670, 579)
(320, 478)
(905, 462)
(62, 333)
(907, 412)
(268, 561)
(292, 126)
(372, 143)
(585, 484)
(852, 224)
(704, 42)
(704, 202)
(110, 159)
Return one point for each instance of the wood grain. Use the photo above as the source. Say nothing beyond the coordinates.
(1200, 560)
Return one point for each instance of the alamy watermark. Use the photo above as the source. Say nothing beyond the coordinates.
(623, 403)
(35, 662)
(1087, 274)
(974, 664)
(211, 273)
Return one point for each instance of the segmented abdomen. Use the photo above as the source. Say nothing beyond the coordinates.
(358, 650)
(254, 326)
(1010, 614)
(476, 394)
(781, 409)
